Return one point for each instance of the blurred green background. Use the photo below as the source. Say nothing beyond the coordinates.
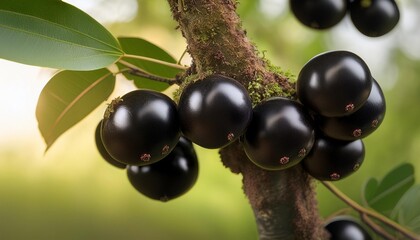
(71, 193)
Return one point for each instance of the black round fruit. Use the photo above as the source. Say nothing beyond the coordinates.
(334, 83)
(374, 18)
(280, 134)
(101, 149)
(169, 178)
(360, 123)
(331, 159)
(319, 14)
(345, 228)
(141, 127)
(214, 111)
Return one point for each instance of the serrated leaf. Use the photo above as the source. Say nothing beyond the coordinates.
(52, 33)
(407, 210)
(69, 97)
(141, 47)
(384, 196)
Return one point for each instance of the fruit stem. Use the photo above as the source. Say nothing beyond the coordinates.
(168, 64)
(407, 233)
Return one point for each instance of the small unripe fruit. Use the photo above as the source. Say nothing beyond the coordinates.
(280, 134)
(169, 178)
(141, 127)
(334, 84)
(214, 111)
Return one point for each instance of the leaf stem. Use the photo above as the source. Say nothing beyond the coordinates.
(182, 56)
(168, 64)
(369, 212)
(139, 73)
(133, 70)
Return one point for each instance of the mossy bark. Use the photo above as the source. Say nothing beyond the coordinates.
(283, 202)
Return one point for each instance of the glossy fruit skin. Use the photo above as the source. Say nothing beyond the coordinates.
(334, 84)
(331, 159)
(214, 111)
(141, 127)
(360, 123)
(319, 14)
(280, 134)
(345, 228)
(101, 149)
(375, 19)
(169, 178)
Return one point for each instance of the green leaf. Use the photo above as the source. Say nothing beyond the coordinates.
(369, 190)
(384, 195)
(68, 97)
(407, 210)
(52, 33)
(141, 47)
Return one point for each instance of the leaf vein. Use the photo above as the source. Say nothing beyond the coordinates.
(61, 26)
(391, 189)
(72, 103)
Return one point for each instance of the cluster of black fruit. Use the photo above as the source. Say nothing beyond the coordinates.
(140, 133)
(340, 103)
(373, 18)
(346, 105)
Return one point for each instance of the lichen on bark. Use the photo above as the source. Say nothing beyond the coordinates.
(283, 202)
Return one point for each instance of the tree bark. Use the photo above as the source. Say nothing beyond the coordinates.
(283, 202)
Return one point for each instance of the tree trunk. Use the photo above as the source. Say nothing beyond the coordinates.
(283, 202)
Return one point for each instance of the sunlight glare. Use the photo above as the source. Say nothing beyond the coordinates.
(20, 88)
(108, 11)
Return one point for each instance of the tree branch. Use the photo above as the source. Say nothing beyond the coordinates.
(283, 202)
